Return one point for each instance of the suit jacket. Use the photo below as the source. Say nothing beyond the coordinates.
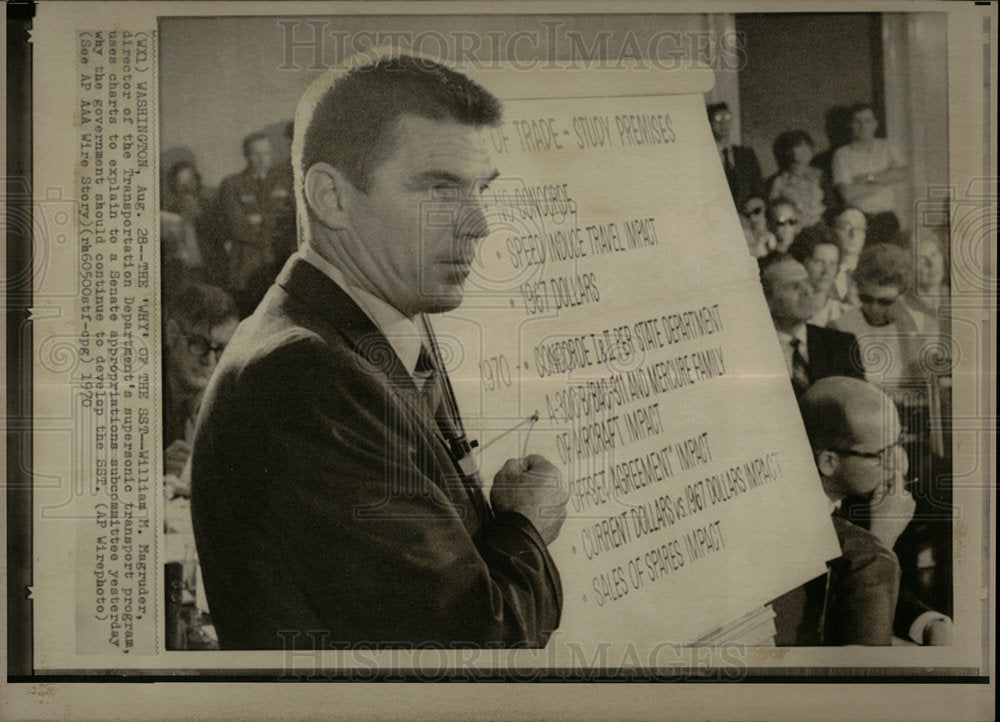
(832, 353)
(327, 508)
(863, 589)
(854, 603)
(743, 174)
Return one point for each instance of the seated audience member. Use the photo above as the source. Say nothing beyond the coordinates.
(866, 172)
(180, 256)
(811, 352)
(856, 439)
(784, 220)
(931, 296)
(796, 179)
(850, 227)
(753, 218)
(184, 225)
(925, 558)
(200, 320)
(930, 293)
(183, 192)
(890, 334)
(816, 248)
(739, 162)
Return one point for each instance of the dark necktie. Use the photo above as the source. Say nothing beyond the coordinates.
(431, 391)
(800, 371)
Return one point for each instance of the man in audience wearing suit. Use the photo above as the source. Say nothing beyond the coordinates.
(811, 352)
(857, 443)
(740, 163)
(332, 495)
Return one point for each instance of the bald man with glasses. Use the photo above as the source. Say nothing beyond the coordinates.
(857, 443)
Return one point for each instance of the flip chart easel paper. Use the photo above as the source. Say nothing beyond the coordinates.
(615, 299)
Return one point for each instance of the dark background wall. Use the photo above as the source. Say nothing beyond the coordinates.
(799, 67)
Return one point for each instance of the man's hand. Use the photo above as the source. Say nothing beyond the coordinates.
(532, 486)
(176, 456)
(891, 513)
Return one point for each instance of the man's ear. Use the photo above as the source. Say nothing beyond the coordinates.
(827, 463)
(173, 331)
(326, 190)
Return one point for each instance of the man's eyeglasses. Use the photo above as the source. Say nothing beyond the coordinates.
(722, 116)
(787, 222)
(753, 211)
(885, 455)
(872, 301)
(201, 347)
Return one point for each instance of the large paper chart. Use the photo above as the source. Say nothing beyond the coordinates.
(615, 299)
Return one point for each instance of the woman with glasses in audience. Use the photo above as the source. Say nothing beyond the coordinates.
(796, 179)
(759, 239)
(892, 336)
(784, 220)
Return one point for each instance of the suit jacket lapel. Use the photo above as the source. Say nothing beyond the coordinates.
(344, 319)
(816, 350)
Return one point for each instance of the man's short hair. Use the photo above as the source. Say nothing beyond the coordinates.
(786, 143)
(250, 140)
(351, 123)
(771, 259)
(808, 238)
(713, 108)
(194, 303)
(885, 264)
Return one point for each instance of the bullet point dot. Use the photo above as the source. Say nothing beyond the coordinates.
(512, 302)
(574, 548)
(584, 597)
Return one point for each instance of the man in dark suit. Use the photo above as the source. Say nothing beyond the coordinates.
(333, 498)
(740, 163)
(857, 442)
(811, 352)
(855, 436)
